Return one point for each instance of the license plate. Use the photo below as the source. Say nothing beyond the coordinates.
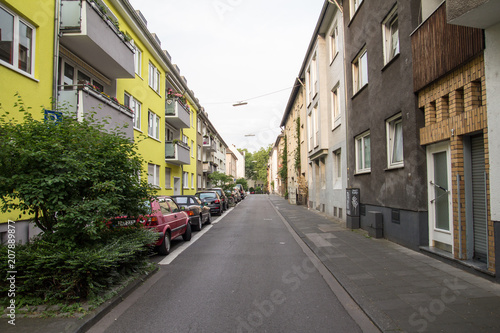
(125, 223)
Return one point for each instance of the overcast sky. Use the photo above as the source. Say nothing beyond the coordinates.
(237, 50)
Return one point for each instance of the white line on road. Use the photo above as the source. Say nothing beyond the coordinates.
(174, 254)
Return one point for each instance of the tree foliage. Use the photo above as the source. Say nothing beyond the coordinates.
(69, 175)
(219, 179)
(256, 164)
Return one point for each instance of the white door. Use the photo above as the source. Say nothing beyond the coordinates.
(177, 186)
(440, 196)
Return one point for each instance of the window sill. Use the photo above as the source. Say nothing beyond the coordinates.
(390, 62)
(139, 76)
(364, 172)
(394, 167)
(334, 57)
(149, 136)
(359, 91)
(156, 92)
(23, 73)
(138, 129)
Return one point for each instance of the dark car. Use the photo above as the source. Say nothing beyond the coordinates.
(198, 213)
(222, 195)
(211, 199)
(231, 198)
(241, 189)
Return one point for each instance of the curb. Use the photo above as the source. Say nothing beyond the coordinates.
(107, 306)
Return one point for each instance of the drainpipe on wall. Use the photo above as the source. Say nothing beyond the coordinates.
(55, 76)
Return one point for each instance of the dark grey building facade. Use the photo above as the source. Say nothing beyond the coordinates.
(385, 159)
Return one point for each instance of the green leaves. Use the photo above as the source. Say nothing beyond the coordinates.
(71, 173)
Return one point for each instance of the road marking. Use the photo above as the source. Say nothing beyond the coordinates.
(174, 254)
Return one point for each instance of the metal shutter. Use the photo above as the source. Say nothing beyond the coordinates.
(479, 199)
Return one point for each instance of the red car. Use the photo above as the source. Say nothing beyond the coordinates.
(167, 218)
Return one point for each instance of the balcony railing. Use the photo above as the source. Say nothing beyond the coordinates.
(177, 114)
(82, 100)
(93, 36)
(177, 153)
(209, 144)
(209, 167)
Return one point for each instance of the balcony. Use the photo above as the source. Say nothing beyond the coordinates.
(82, 100)
(177, 153)
(476, 14)
(177, 114)
(94, 37)
(209, 144)
(209, 167)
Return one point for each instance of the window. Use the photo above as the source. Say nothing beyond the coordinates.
(363, 153)
(354, 5)
(198, 124)
(334, 42)
(154, 125)
(199, 181)
(394, 127)
(310, 131)
(135, 106)
(337, 165)
(168, 175)
(185, 179)
(154, 174)
(360, 71)
(390, 33)
(315, 126)
(17, 39)
(137, 60)
(185, 139)
(192, 148)
(335, 100)
(192, 180)
(154, 78)
(199, 153)
(322, 173)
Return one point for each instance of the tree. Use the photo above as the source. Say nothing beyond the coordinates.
(69, 175)
(219, 179)
(243, 182)
(256, 164)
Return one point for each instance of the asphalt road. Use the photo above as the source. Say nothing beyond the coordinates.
(246, 273)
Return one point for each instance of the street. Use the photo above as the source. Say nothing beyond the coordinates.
(247, 273)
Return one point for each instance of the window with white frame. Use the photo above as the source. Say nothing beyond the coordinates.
(310, 131)
(390, 33)
(322, 173)
(137, 60)
(394, 129)
(363, 153)
(334, 42)
(192, 148)
(185, 139)
(168, 180)
(135, 106)
(17, 42)
(192, 180)
(308, 87)
(154, 78)
(360, 70)
(335, 101)
(153, 125)
(337, 165)
(199, 153)
(198, 124)
(185, 179)
(199, 181)
(315, 120)
(354, 5)
(154, 174)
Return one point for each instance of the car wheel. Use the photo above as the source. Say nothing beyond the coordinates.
(209, 219)
(164, 248)
(187, 234)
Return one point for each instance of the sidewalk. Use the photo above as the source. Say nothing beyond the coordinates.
(401, 290)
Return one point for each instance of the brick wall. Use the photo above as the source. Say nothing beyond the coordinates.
(455, 105)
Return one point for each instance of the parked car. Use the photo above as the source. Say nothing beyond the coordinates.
(211, 199)
(222, 195)
(166, 218)
(231, 198)
(241, 190)
(237, 194)
(198, 213)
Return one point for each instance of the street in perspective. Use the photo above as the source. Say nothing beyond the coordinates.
(249, 166)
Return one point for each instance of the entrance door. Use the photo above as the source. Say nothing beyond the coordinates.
(177, 186)
(479, 210)
(439, 194)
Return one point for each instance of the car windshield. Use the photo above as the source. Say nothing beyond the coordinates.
(206, 195)
(181, 200)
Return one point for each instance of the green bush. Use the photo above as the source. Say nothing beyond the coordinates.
(48, 272)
